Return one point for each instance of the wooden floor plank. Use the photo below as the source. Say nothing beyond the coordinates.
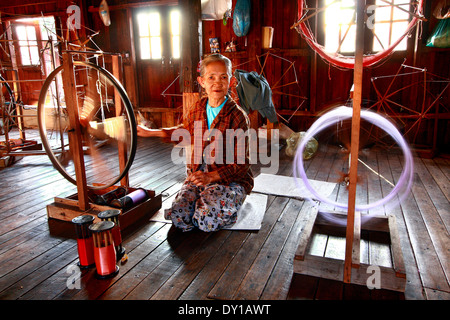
(230, 280)
(437, 187)
(414, 283)
(26, 277)
(89, 286)
(183, 276)
(31, 249)
(189, 243)
(205, 280)
(163, 263)
(137, 265)
(259, 272)
(277, 286)
(435, 226)
(431, 273)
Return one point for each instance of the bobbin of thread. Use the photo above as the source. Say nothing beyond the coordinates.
(131, 199)
(85, 245)
(113, 215)
(104, 250)
(106, 198)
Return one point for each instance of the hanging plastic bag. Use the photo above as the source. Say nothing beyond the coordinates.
(103, 10)
(440, 38)
(241, 17)
(294, 141)
(215, 9)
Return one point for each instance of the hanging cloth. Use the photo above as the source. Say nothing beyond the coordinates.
(255, 94)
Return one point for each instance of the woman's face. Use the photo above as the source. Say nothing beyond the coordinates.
(215, 81)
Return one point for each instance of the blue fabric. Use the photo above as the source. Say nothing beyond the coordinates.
(255, 94)
(212, 113)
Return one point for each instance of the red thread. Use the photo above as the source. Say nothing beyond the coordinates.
(346, 62)
(105, 260)
(117, 235)
(86, 251)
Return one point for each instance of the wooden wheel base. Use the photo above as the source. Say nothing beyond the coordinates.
(333, 269)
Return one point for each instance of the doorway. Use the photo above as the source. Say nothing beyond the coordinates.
(157, 43)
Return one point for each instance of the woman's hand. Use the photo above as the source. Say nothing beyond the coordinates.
(201, 178)
(160, 133)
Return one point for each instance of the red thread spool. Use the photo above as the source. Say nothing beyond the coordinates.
(113, 215)
(84, 240)
(104, 250)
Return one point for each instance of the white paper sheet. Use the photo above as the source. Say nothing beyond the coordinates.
(251, 214)
(286, 186)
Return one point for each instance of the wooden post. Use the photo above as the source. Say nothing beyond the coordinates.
(356, 119)
(75, 135)
(191, 43)
(313, 87)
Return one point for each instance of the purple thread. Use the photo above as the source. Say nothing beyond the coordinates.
(138, 196)
(342, 113)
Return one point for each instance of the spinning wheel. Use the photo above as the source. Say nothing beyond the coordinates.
(104, 116)
(352, 269)
(338, 59)
(8, 105)
(336, 117)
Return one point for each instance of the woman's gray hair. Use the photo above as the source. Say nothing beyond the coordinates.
(216, 57)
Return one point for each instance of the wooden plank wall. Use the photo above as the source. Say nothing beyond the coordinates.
(325, 85)
(322, 85)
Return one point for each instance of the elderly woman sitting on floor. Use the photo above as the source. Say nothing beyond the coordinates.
(219, 176)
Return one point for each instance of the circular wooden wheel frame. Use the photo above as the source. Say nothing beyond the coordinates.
(106, 130)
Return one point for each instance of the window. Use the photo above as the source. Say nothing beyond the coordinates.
(340, 29)
(390, 24)
(151, 34)
(175, 33)
(387, 19)
(29, 51)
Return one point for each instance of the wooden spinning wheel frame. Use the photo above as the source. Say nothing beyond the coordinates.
(93, 107)
(336, 59)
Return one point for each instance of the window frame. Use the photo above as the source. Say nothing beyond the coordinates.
(171, 11)
(165, 35)
(149, 35)
(36, 27)
(369, 39)
(391, 22)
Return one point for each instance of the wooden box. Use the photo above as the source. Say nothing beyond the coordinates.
(66, 209)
